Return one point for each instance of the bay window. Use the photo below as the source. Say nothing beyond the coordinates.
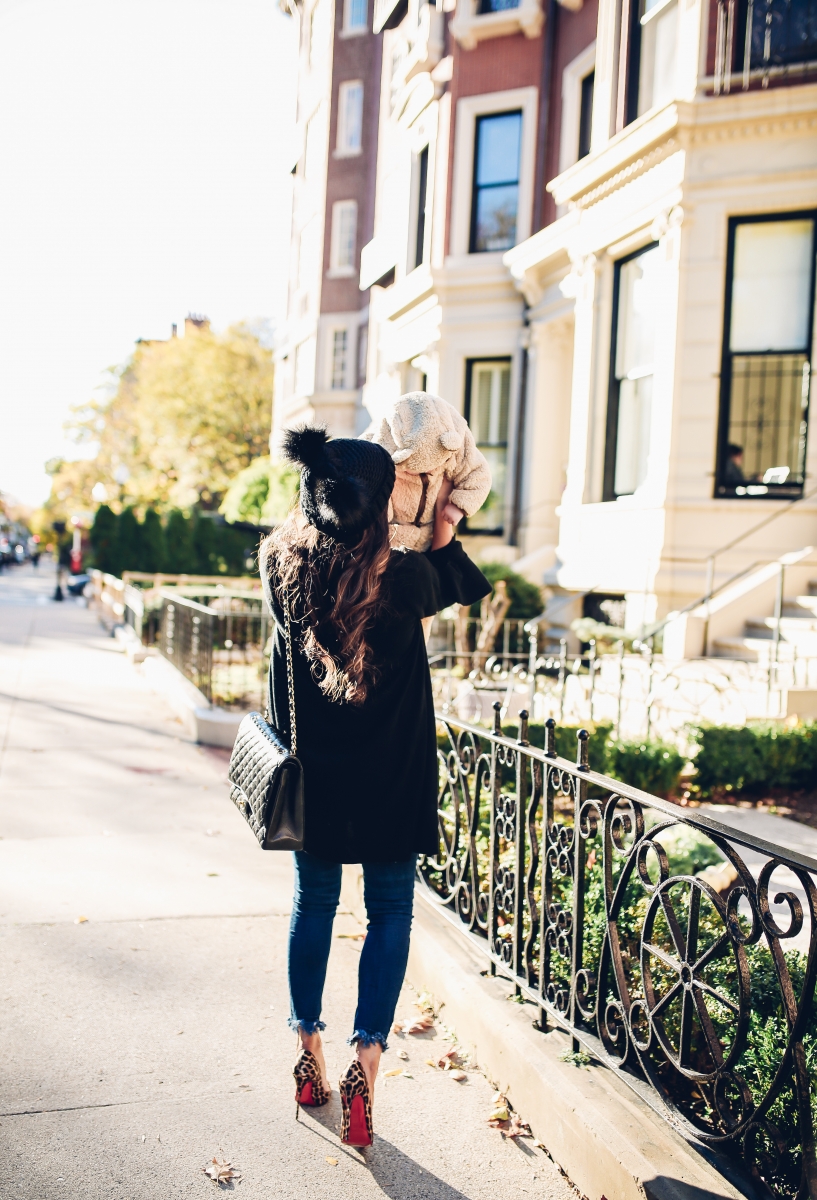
(765, 369)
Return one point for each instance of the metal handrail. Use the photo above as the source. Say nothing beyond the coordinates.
(710, 560)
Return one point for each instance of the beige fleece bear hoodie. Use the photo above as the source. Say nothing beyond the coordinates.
(429, 441)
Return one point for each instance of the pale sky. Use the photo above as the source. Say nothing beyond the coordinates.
(144, 174)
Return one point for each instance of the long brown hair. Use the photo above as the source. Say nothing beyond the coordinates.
(336, 592)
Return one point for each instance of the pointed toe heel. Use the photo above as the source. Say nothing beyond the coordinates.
(310, 1090)
(356, 1102)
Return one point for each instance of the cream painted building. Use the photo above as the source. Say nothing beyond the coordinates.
(671, 326)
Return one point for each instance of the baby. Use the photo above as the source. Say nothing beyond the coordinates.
(429, 442)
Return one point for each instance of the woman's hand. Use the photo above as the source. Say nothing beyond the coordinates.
(443, 529)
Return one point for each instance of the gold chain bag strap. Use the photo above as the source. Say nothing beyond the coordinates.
(267, 779)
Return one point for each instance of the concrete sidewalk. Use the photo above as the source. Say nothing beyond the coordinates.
(150, 1037)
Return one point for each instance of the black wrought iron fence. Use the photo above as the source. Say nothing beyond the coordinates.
(186, 640)
(221, 647)
(674, 949)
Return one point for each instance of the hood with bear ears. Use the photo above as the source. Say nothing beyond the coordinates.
(421, 432)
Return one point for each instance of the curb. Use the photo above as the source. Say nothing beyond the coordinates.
(205, 724)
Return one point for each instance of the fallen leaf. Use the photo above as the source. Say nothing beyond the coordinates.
(407, 1075)
(80, 920)
(221, 1171)
(517, 1127)
(499, 1114)
(498, 1098)
(458, 1075)
(431, 1063)
(402, 1054)
(212, 874)
(397, 1027)
(421, 1025)
(355, 937)
(394, 1071)
(333, 1162)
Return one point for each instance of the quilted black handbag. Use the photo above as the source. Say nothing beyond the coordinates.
(267, 779)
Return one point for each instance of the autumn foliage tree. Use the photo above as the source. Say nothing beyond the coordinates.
(183, 418)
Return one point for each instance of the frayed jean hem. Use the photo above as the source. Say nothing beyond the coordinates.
(308, 1027)
(362, 1038)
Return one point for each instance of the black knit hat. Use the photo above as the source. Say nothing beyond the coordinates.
(345, 483)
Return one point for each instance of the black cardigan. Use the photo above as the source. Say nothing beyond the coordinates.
(370, 770)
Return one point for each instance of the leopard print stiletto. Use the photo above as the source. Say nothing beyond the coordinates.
(309, 1086)
(356, 1102)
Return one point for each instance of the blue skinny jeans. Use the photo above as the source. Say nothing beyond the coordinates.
(388, 892)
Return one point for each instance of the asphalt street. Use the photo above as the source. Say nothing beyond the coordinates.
(143, 966)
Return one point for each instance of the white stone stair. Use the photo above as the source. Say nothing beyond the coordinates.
(798, 633)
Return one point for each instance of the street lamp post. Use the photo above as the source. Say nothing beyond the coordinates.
(59, 530)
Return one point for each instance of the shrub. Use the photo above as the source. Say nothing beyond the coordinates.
(153, 542)
(262, 493)
(651, 766)
(754, 758)
(103, 539)
(526, 597)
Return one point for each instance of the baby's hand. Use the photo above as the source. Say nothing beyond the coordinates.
(452, 514)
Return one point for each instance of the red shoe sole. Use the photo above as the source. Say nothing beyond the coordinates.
(306, 1095)
(358, 1131)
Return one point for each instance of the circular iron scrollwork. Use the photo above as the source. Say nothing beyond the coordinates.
(680, 1002)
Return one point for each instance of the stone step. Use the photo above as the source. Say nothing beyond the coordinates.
(752, 649)
(799, 631)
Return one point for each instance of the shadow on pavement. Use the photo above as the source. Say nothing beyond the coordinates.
(398, 1176)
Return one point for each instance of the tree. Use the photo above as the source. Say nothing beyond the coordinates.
(128, 542)
(103, 538)
(262, 493)
(184, 417)
(153, 542)
(180, 550)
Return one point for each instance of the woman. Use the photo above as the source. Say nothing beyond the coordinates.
(366, 734)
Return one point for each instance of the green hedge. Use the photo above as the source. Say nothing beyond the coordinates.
(184, 544)
(754, 758)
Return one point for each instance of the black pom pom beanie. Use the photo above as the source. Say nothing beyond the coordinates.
(345, 483)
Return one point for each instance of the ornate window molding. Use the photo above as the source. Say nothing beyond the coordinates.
(470, 26)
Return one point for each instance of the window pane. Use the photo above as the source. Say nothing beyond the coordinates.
(498, 148)
(586, 114)
(770, 286)
(344, 233)
(637, 298)
(633, 434)
(495, 227)
(350, 121)
(488, 419)
(339, 343)
(767, 420)
(356, 14)
(489, 6)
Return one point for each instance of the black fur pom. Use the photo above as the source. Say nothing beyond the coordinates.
(306, 447)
